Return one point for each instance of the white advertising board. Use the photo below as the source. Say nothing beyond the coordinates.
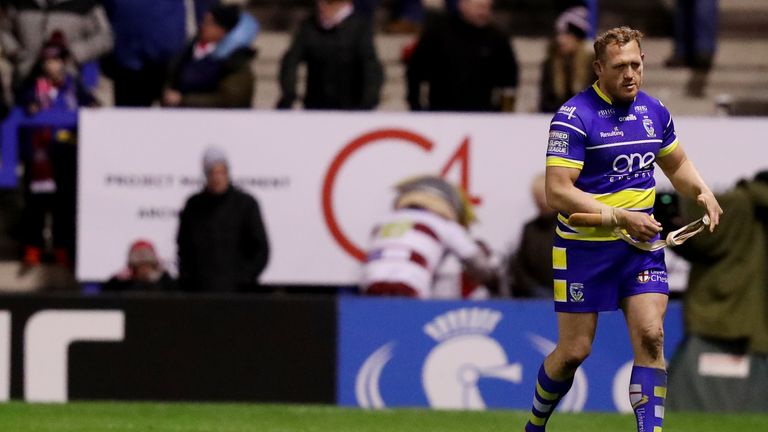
(324, 179)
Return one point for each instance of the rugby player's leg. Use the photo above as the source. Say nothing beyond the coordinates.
(648, 384)
(574, 343)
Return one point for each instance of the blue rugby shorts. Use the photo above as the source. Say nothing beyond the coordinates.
(594, 276)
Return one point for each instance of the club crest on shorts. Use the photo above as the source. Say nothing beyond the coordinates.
(644, 276)
(577, 292)
(648, 125)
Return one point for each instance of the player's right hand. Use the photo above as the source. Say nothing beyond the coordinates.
(639, 225)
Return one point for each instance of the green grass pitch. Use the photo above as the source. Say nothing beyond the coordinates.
(177, 417)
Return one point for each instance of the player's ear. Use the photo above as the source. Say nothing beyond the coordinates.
(598, 67)
(642, 56)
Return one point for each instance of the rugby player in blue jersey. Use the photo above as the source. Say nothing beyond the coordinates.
(603, 144)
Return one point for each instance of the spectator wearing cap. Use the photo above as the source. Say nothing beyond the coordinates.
(343, 69)
(222, 243)
(215, 69)
(144, 272)
(49, 154)
(568, 66)
(31, 23)
(464, 61)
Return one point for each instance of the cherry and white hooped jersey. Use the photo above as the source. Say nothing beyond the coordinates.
(409, 244)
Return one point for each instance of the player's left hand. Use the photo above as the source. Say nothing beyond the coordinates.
(709, 202)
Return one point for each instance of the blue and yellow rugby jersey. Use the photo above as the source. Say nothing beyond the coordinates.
(615, 147)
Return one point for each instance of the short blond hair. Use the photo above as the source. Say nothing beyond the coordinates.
(617, 35)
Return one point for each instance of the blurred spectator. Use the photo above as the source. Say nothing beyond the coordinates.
(405, 16)
(592, 12)
(696, 24)
(568, 67)
(144, 272)
(49, 155)
(222, 244)
(31, 22)
(215, 69)
(727, 296)
(53, 83)
(530, 267)
(430, 219)
(343, 69)
(465, 61)
(148, 34)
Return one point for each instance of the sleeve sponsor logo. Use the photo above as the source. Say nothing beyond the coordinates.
(558, 142)
(567, 110)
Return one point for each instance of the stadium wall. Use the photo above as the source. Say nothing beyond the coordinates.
(361, 352)
(203, 348)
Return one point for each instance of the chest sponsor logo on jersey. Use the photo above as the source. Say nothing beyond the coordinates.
(646, 276)
(630, 117)
(641, 109)
(648, 125)
(558, 142)
(567, 110)
(606, 113)
(628, 163)
(616, 132)
(632, 166)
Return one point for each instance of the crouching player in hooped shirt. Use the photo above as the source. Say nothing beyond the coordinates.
(602, 147)
(429, 220)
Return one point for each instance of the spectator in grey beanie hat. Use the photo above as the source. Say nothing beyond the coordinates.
(222, 244)
(212, 156)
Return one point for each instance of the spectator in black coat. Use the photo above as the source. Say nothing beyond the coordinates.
(467, 63)
(343, 70)
(222, 244)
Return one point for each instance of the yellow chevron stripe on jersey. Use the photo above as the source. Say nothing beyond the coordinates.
(556, 161)
(588, 234)
(669, 149)
(629, 198)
